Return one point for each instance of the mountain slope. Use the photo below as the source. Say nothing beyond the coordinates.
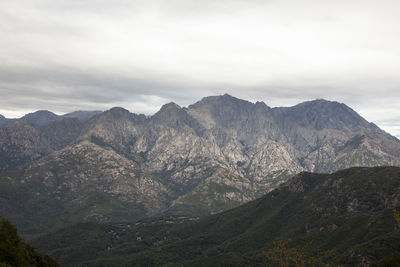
(331, 210)
(83, 182)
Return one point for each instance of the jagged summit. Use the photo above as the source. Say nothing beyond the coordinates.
(169, 109)
(2, 117)
(262, 104)
(173, 115)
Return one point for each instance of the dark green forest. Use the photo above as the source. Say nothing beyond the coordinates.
(344, 219)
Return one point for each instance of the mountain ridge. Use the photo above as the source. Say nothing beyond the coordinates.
(44, 117)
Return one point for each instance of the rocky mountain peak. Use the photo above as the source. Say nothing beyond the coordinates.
(170, 107)
(324, 105)
(40, 117)
(115, 113)
(222, 109)
(168, 112)
(2, 117)
(321, 114)
(262, 105)
(118, 110)
(218, 101)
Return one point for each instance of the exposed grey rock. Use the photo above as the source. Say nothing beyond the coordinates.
(23, 142)
(258, 147)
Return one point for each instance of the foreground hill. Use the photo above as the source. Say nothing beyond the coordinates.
(14, 252)
(350, 211)
(211, 156)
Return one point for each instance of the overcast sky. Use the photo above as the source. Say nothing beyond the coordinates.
(65, 55)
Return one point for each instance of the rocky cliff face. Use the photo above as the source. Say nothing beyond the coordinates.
(213, 155)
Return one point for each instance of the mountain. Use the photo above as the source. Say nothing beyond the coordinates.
(40, 118)
(192, 161)
(350, 211)
(328, 136)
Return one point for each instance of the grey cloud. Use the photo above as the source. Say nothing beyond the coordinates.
(63, 90)
(65, 55)
(56, 89)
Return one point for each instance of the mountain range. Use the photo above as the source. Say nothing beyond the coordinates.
(216, 154)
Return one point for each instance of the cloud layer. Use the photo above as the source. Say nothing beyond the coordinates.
(67, 55)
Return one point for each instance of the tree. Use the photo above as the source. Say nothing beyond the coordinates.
(394, 259)
(15, 252)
